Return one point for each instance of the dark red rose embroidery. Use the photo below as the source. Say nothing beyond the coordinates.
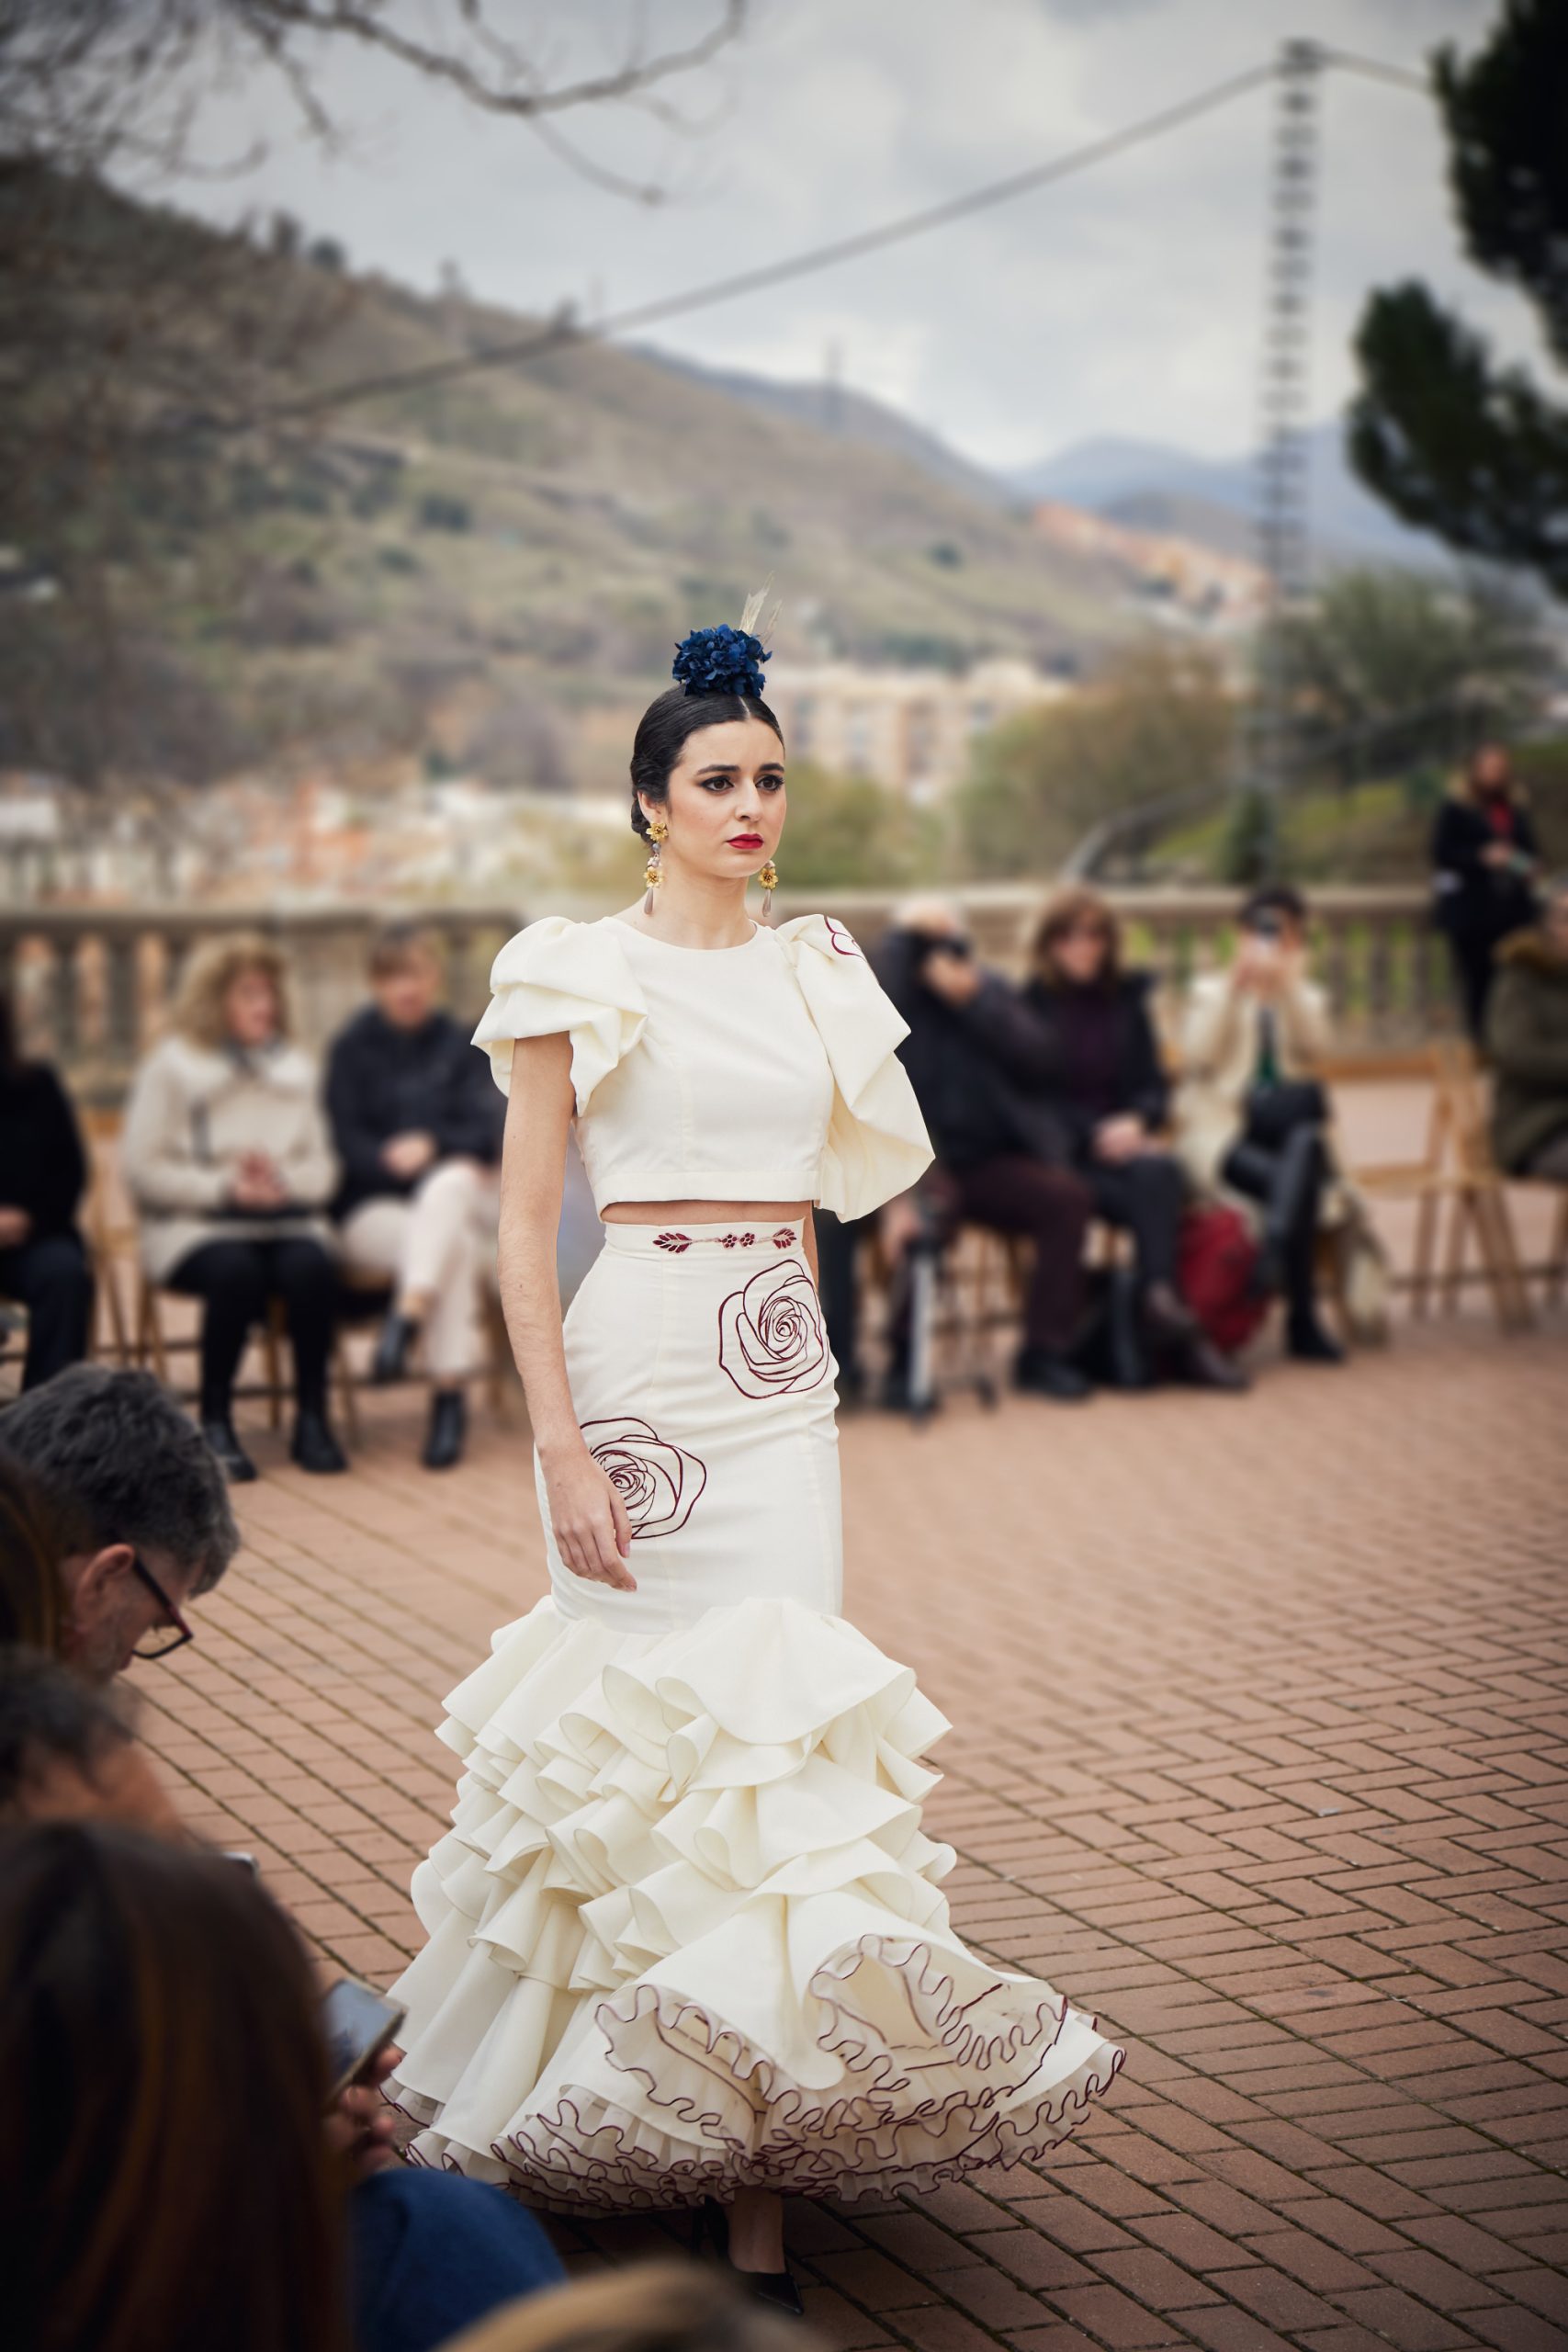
(657, 1482)
(771, 1337)
(843, 940)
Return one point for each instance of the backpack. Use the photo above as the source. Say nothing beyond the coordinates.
(1216, 1256)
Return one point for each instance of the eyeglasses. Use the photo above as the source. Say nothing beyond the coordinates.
(161, 1641)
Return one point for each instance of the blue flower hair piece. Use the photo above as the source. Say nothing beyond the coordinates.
(721, 660)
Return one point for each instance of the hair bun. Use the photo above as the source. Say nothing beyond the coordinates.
(722, 661)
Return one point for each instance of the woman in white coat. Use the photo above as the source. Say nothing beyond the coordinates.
(227, 1156)
(686, 1941)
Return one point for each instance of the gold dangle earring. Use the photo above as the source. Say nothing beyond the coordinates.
(768, 878)
(657, 832)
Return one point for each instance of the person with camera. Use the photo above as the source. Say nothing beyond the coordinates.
(1485, 864)
(1251, 1112)
(977, 1056)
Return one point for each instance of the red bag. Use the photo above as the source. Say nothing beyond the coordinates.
(1214, 1261)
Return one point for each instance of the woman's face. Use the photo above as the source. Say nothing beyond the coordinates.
(250, 1008)
(726, 805)
(1081, 953)
(1490, 769)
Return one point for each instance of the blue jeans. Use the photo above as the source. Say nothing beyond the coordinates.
(431, 2253)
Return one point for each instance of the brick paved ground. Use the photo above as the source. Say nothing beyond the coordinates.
(1261, 1750)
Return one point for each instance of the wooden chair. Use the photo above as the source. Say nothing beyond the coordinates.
(152, 1348)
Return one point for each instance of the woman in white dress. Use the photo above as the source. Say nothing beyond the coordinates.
(687, 1941)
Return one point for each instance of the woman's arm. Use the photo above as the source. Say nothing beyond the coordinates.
(591, 1530)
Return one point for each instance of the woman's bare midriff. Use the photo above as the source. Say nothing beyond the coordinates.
(704, 1212)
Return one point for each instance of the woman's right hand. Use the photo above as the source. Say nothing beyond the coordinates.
(592, 1532)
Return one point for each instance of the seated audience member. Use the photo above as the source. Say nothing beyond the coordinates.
(1250, 1114)
(648, 2307)
(1486, 858)
(43, 1173)
(977, 1055)
(173, 2176)
(227, 1158)
(102, 1473)
(417, 1122)
(1527, 1037)
(1107, 1088)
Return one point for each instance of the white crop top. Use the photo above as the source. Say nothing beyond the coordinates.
(763, 1072)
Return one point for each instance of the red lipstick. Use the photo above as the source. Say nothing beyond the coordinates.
(745, 840)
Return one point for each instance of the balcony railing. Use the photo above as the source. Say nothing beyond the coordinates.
(92, 986)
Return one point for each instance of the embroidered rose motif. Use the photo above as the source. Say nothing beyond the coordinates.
(771, 1337)
(843, 940)
(657, 1482)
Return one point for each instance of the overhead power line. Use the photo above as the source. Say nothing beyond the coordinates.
(562, 333)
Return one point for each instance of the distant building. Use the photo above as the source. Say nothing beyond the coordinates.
(1209, 590)
(910, 729)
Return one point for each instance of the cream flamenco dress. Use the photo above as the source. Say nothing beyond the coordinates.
(686, 1933)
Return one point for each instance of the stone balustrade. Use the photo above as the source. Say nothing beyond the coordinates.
(92, 984)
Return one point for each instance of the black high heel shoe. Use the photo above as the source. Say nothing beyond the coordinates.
(710, 2225)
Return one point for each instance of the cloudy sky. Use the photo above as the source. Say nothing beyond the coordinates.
(1124, 302)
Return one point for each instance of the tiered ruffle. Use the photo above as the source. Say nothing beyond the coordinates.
(685, 1933)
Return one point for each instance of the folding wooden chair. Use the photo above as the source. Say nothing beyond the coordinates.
(1454, 1173)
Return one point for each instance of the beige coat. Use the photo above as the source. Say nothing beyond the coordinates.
(193, 1115)
(1220, 1044)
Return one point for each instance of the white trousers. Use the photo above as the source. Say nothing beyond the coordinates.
(438, 1244)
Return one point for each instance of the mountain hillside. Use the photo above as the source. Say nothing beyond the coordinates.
(494, 568)
(1212, 499)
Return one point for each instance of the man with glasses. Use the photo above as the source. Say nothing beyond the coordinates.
(139, 1508)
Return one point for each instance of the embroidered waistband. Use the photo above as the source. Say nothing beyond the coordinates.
(703, 1240)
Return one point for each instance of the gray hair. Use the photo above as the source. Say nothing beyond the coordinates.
(117, 1462)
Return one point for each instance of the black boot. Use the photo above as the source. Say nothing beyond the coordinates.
(777, 2289)
(1038, 1372)
(448, 1427)
(314, 1447)
(1307, 1341)
(218, 1431)
(389, 1361)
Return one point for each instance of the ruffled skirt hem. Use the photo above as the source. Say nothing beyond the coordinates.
(685, 1934)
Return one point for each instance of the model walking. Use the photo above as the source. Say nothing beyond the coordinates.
(686, 1938)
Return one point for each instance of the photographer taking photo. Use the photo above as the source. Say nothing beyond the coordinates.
(1251, 1112)
(977, 1056)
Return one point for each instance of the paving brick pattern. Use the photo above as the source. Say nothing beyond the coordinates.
(1261, 1750)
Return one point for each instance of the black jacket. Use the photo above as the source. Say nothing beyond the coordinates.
(384, 1082)
(1104, 1058)
(977, 1068)
(1475, 900)
(42, 1166)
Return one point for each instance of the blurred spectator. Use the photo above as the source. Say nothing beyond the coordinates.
(118, 1499)
(1106, 1088)
(155, 2003)
(649, 2307)
(166, 2177)
(68, 1754)
(1527, 1035)
(417, 1121)
(1484, 857)
(227, 1156)
(1250, 1114)
(977, 1057)
(43, 1173)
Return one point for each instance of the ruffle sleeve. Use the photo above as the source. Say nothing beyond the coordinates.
(878, 1143)
(555, 976)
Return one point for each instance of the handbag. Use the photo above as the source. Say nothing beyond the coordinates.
(1215, 1259)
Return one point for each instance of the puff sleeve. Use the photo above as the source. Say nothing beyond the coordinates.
(878, 1143)
(558, 976)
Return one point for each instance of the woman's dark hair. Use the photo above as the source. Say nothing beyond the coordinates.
(32, 1604)
(49, 1716)
(1274, 899)
(165, 2175)
(667, 724)
(1075, 908)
